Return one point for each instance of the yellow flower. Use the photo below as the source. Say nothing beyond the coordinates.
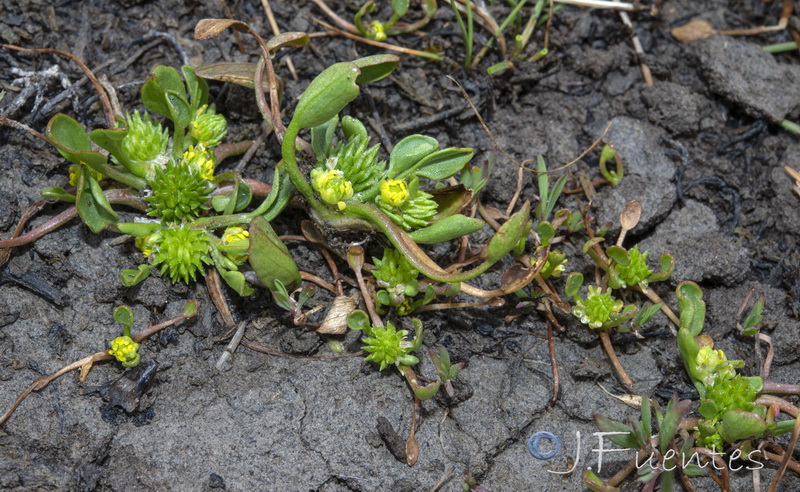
(147, 244)
(394, 192)
(125, 351)
(201, 159)
(233, 234)
(74, 171)
(332, 187)
(378, 29)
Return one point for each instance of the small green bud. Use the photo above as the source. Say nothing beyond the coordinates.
(125, 350)
(597, 308)
(146, 141)
(636, 273)
(386, 346)
(208, 128)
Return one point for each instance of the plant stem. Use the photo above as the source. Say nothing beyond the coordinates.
(605, 339)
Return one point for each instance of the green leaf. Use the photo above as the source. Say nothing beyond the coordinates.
(667, 267)
(782, 427)
(269, 257)
(628, 440)
(327, 95)
(129, 278)
(546, 232)
(359, 320)
(353, 128)
(322, 136)
(287, 39)
(155, 88)
(689, 350)
(573, 287)
(93, 206)
(236, 281)
(676, 410)
(400, 7)
(647, 416)
(509, 234)
(57, 193)
(738, 424)
(594, 483)
(374, 68)
(72, 143)
(619, 255)
(138, 229)
(440, 164)
(753, 320)
(446, 229)
(692, 307)
(427, 392)
(409, 151)
(124, 316)
(181, 112)
(190, 308)
(591, 242)
(646, 313)
(196, 88)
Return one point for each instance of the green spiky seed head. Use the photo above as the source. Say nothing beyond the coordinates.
(178, 193)
(182, 252)
(597, 308)
(387, 346)
(208, 128)
(358, 163)
(146, 141)
(636, 273)
(398, 278)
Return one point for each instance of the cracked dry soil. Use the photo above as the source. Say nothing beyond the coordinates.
(703, 154)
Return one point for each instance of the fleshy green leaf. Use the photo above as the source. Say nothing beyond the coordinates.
(619, 255)
(509, 234)
(322, 136)
(93, 206)
(57, 193)
(574, 283)
(374, 68)
(628, 440)
(236, 281)
(327, 95)
(138, 229)
(446, 229)
(440, 164)
(427, 392)
(72, 143)
(129, 278)
(546, 232)
(358, 320)
(409, 151)
(738, 424)
(693, 309)
(269, 257)
(124, 316)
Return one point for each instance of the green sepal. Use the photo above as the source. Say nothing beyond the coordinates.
(129, 278)
(269, 257)
(667, 263)
(57, 193)
(446, 229)
(738, 424)
(138, 229)
(509, 234)
(124, 316)
(440, 164)
(426, 392)
(236, 281)
(92, 204)
(408, 152)
(619, 255)
(692, 307)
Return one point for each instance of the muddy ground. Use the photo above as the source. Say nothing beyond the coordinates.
(703, 153)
